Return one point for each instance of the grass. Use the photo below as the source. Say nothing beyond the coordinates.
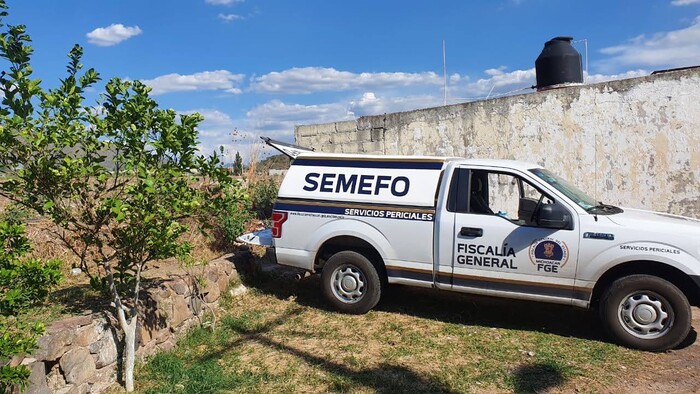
(280, 337)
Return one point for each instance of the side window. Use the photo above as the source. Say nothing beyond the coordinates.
(496, 193)
(504, 194)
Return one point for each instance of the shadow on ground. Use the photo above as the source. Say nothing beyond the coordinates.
(536, 378)
(79, 299)
(384, 378)
(448, 307)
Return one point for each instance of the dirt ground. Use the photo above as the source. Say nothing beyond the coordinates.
(676, 371)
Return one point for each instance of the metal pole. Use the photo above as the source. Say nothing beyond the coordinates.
(444, 71)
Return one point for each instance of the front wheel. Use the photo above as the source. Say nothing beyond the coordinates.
(351, 282)
(646, 312)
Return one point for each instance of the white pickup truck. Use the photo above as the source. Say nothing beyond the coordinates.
(493, 227)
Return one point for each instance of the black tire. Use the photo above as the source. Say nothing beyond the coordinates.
(351, 282)
(645, 312)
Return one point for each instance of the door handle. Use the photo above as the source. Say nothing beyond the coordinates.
(471, 232)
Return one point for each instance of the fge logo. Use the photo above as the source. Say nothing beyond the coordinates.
(549, 254)
(356, 184)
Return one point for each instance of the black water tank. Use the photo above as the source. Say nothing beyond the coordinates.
(558, 63)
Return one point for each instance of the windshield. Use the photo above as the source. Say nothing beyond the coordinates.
(582, 199)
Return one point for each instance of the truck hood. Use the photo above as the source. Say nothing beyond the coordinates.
(661, 222)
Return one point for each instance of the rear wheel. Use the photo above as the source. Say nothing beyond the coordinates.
(646, 312)
(351, 282)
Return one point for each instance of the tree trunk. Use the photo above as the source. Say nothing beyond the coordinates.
(129, 328)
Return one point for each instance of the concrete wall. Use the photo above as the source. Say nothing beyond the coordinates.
(633, 142)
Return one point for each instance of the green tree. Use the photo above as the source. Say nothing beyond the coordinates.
(23, 283)
(238, 164)
(118, 178)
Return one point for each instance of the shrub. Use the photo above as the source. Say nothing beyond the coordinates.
(15, 213)
(263, 193)
(24, 283)
(234, 223)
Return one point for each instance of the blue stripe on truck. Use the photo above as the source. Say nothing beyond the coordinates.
(403, 165)
(374, 211)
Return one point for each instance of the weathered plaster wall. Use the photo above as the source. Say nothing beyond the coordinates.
(633, 142)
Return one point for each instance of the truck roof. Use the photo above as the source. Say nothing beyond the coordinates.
(356, 156)
(505, 163)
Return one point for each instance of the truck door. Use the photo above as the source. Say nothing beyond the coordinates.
(499, 248)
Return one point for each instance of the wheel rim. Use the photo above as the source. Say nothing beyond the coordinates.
(646, 315)
(348, 283)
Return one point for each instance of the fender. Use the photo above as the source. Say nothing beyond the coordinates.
(594, 269)
(352, 228)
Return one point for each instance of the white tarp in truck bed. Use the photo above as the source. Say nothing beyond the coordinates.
(261, 237)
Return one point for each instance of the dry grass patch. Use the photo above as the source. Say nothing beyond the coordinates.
(281, 338)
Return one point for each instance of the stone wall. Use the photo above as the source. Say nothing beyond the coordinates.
(79, 354)
(633, 142)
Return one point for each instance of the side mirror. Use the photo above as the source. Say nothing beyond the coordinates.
(553, 216)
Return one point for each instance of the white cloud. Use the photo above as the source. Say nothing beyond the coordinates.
(371, 104)
(498, 83)
(207, 80)
(212, 117)
(215, 131)
(684, 2)
(595, 78)
(112, 34)
(278, 118)
(495, 71)
(229, 17)
(223, 2)
(273, 119)
(676, 48)
(320, 79)
(501, 83)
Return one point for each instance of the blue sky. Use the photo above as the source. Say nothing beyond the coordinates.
(260, 67)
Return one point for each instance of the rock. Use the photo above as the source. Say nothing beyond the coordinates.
(228, 268)
(105, 350)
(87, 335)
(15, 361)
(167, 345)
(69, 323)
(37, 379)
(223, 283)
(238, 290)
(77, 365)
(82, 389)
(54, 345)
(212, 275)
(103, 386)
(143, 334)
(55, 379)
(212, 292)
(104, 376)
(179, 286)
(160, 336)
(196, 305)
(180, 311)
(64, 390)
